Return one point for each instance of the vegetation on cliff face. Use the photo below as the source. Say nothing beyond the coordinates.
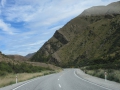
(85, 40)
(54, 44)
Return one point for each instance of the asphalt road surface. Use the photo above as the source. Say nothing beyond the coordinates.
(65, 80)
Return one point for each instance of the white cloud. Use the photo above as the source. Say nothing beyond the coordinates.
(6, 27)
(34, 44)
(3, 2)
(47, 12)
(55, 11)
(18, 13)
(41, 18)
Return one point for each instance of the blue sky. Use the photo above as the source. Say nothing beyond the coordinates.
(25, 25)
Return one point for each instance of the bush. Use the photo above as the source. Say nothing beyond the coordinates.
(3, 73)
(19, 68)
(101, 75)
(111, 77)
(117, 80)
(5, 67)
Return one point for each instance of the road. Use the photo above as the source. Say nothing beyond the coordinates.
(65, 80)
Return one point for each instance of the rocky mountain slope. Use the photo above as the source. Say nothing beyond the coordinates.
(92, 37)
(17, 57)
(3, 57)
(29, 55)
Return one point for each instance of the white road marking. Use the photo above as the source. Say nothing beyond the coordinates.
(23, 84)
(61, 75)
(59, 85)
(91, 82)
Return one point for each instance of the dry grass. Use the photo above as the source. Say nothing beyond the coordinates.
(11, 78)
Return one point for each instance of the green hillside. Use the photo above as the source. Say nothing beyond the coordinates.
(88, 39)
(17, 65)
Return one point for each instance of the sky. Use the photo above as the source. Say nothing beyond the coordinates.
(25, 25)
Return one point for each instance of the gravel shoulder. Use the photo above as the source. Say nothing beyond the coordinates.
(108, 84)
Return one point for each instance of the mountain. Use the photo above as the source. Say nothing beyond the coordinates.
(92, 37)
(3, 57)
(11, 58)
(17, 57)
(29, 55)
(15, 62)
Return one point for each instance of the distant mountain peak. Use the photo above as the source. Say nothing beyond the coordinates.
(30, 55)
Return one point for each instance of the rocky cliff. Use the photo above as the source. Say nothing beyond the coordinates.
(93, 35)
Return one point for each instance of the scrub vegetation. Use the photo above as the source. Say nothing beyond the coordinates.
(9, 67)
(112, 74)
(9, 79)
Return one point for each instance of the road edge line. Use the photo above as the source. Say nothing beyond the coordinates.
(91, 82)
(23, 84)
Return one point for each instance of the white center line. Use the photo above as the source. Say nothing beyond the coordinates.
(59, 85)
(61, 75)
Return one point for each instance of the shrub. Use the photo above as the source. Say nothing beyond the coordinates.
(111, 77)
(18, 68)
(101, 75)
(3, 73)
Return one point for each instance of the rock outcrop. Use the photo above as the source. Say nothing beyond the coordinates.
(94, 34)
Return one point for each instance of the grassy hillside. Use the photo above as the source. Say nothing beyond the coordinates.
(98, 42)
(17, 57)
(6, 68)
(8, 65)
(89, 39)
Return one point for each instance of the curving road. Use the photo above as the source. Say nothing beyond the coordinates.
(65, 80)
